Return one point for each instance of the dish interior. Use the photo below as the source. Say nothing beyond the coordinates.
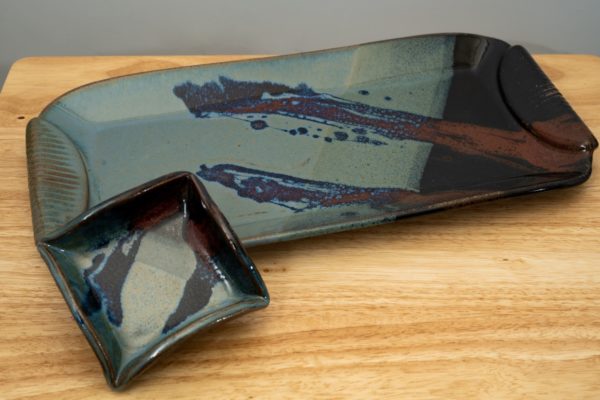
(146, 269)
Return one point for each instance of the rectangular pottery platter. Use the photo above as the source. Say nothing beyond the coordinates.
(312, 143)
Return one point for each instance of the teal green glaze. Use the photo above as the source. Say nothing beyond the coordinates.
(133, 129)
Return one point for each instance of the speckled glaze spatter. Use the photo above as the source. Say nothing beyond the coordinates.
(296, 146)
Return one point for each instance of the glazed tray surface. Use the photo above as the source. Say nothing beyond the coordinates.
(306, 144)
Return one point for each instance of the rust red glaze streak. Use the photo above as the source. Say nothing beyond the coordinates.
(201, 239)
(503, 145)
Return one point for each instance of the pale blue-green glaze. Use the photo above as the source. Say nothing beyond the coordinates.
(133, 129)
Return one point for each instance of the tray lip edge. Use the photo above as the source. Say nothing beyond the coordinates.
(261, 58)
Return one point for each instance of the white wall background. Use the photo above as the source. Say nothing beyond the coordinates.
(104, 27)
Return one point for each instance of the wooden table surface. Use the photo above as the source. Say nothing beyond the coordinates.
(497, 300)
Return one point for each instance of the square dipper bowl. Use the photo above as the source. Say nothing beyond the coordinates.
(148, 268)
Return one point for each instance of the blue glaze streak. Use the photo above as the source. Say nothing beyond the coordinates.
(294, 193)
(108, 273)
(107, 276)
(228, 97)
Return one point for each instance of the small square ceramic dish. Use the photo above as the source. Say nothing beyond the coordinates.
(148, 268)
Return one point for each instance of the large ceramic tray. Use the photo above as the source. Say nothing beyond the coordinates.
(306, 144)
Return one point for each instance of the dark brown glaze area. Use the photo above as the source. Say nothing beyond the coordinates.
(151, 207)
(504, 124)
(539, 106)
(202, 234)
(480, 143)
(518, 150)
(121, 216)
(579, 136)
(474, 96)
(479, 147)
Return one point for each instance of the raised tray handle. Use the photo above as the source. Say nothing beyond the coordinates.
(539, 106)
(58, 183)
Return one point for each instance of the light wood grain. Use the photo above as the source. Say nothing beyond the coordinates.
(497, 300)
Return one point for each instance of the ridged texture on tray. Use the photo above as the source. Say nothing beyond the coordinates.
(57, 178)
(539, 105)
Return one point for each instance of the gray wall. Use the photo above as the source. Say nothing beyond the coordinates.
(102, 27)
